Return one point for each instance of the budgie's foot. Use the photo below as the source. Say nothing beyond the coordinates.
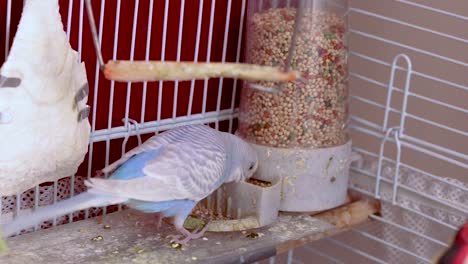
(188, 236)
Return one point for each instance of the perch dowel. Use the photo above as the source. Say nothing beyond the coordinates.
(139, 71)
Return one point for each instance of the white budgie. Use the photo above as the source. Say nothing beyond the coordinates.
(168, 174)
(44, 127)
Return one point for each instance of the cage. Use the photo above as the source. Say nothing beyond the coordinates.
(408, 120)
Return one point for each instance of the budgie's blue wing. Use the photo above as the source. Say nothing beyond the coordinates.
(190, 167)
(133, 167)
(154, 207)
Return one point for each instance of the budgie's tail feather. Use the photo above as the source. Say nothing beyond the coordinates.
(82, 201)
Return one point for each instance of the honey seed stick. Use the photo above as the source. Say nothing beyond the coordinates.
(139, 71)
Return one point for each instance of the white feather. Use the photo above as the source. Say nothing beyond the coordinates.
(44, 140)
(79, 202)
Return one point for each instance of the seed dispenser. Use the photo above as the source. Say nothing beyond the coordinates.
(300, 129)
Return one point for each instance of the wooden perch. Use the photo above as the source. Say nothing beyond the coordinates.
(139, 71)
(342, 218)
(127, 237)
(350, 214)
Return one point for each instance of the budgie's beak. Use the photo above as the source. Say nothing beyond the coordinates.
(255, 168)
(251, 172)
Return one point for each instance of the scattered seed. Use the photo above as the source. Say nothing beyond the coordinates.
(201, 214)
(175, 245)
(97, 238)
(107, 226)
(252, 236)
(138, 250)
(192, 223)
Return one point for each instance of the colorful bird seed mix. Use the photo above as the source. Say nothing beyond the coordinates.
(312, 112)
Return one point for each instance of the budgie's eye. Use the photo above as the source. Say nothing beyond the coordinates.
(252, 165)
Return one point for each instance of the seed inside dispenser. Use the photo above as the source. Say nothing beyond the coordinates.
(311, 112)
(260, 183)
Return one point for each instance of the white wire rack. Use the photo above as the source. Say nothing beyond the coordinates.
(411, 163)
(419, 213)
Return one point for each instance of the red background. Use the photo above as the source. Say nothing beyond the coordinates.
(124, 42)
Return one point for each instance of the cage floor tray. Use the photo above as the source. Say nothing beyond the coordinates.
(131, 237)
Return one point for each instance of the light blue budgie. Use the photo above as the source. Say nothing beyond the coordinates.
(168, 174)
